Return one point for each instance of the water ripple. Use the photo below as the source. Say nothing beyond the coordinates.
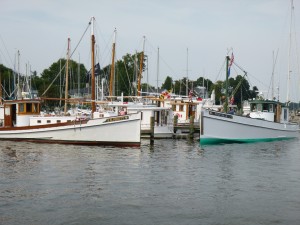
(171, 182)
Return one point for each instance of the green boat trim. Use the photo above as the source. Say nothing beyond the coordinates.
(214, 141)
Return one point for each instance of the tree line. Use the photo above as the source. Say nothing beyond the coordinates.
(51, 82)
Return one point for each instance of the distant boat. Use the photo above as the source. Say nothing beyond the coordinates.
(22, 122)
(163, 117)
(267, 121)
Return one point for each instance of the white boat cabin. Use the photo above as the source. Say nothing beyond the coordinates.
(183, 108)
(163, 116)
(21, 113)
(17, 113)
(269, 110)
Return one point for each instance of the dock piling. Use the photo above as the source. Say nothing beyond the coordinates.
(152, 130)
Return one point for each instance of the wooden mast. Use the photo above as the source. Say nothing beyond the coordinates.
(93, 68)
(112, 71)
(67, 77)
(141, 70)
(187, 73)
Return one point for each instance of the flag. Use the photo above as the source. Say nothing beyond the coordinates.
(191, 93)
(97, 69)
(97, 72)
(88, 76)
(165, 95)
(231, 100)
(230, 63)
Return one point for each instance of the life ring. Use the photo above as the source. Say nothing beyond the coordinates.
(178, 115)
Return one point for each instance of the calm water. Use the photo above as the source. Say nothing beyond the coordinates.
(172, 182)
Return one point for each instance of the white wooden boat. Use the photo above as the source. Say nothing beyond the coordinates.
(267, 121)
(21, 121)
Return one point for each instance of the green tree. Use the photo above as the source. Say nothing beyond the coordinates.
(168, 84)
(127, 70)
(219, 87)
(51, 84)
(7, 81)
(207, 83)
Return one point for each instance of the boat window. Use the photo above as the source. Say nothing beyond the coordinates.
(285, 114)
(180, 107)
(271, 108)
(141, 115)
(28, 107)
(58, 121)
(48, 121)
(39, 121)
(265, 107)
(253, 107)
(259, 107)
(7, 110)
(35, 108)
(21, 107)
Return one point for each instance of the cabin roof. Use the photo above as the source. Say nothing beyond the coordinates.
(258, 101)
(11, 102)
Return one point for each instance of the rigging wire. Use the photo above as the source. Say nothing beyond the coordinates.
(164, 61)
(70, 57)
(297, 51)
(6, 51)
(220, 71)
(272, 80)
(250, 75)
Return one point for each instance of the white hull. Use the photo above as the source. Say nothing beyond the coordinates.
(163, 131)
(124, 130)
(218, 127)
(160, 132)
(163, 116)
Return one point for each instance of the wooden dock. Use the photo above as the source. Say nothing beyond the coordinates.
(181, 130)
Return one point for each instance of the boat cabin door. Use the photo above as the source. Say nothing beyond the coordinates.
(284, 115)
(191, 111)
(9, 115)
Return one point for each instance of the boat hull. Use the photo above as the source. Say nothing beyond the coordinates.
(115, 131)
(224, 128)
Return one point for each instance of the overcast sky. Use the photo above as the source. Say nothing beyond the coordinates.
(253, 29)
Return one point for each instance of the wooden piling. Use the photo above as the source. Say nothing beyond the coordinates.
(152, 130)
(175, 123)
(192, 129)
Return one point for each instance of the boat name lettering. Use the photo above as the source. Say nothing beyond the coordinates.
(220, 114)
(117, 119)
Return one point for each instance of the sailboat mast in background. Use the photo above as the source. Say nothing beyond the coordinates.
(93, 67)
(112, 71)
(289, 54)
(67, 77)
(141, 70)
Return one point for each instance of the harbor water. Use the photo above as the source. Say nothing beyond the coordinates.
(171, 182)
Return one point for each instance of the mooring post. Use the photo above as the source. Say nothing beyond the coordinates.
(192, 129)
(151, 129)
(175, 123)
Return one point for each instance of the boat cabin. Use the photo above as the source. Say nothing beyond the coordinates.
(269, 110)
(184, 109)
(22, 113)
(17, 113)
